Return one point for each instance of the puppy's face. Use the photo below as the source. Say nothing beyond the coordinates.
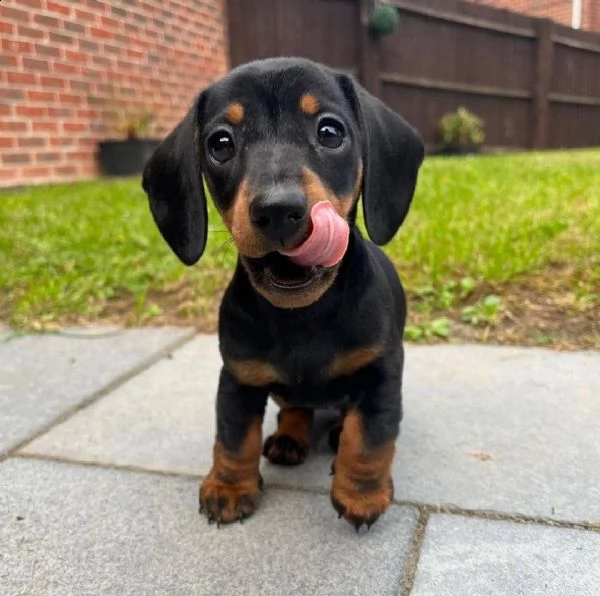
(275, 141)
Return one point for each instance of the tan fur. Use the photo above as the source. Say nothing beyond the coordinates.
(255, 373)
(232, 485)
(234, 112)
(361, 484)
(349, 362)
(309, 104)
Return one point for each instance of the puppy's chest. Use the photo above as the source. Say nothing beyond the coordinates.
(316, 373)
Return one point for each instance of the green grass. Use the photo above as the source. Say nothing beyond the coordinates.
(67, 251)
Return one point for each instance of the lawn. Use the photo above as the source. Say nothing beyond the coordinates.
(500, 248)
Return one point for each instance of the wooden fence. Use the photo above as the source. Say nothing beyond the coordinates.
(533, 82)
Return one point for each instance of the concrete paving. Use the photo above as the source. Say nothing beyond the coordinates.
(497, 477)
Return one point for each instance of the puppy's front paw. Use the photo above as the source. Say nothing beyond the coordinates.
(285, 450)
(224, 503)
(361, 502)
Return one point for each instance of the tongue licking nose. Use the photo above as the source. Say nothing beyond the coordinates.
(327, 242)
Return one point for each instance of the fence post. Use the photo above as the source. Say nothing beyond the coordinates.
(543, 81)
(369, 53)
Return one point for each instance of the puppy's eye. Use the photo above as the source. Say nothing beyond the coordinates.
(221, 146)
(330, 133)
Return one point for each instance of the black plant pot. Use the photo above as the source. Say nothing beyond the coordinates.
(127, 157)
(459, 150)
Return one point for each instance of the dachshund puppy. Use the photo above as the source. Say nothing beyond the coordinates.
(314, 314)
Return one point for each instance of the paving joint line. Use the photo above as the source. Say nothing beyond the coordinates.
(418, 505)
(102, 392)
(502, 516)
(410, 569)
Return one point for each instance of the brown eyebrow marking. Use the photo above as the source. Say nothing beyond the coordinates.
(309, 104)
(234, 112)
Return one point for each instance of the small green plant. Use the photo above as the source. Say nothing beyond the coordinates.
(485, 311)
(133, 125)
(445, 296)
(461, 129)
(439, 327)
(384, 19)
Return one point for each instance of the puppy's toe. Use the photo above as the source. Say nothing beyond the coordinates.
(284, 450)
(224, 503)
(361, 505)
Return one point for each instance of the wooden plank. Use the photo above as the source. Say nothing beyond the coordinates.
(425, 83)
(452, 17)
(543, 80)
(574, 43)
(369, 52)
(577, 100)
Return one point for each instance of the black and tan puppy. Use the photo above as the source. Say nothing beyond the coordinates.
(314, 314)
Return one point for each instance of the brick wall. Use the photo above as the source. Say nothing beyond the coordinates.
(558, 10)
(70, 71)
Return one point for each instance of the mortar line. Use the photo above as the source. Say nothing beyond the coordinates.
(420, 506)
(102, 392)
(410, 569)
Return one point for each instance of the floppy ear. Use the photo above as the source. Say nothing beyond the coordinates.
(392, 154)
(172, 180)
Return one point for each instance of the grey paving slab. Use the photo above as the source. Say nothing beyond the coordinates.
(470, 557)
(42, 376)
(84, 530)
(509, 429)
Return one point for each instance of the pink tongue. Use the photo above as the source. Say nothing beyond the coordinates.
(327, 242)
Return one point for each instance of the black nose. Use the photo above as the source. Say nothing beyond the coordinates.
(279, 214)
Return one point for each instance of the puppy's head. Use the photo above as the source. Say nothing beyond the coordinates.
(273, 139)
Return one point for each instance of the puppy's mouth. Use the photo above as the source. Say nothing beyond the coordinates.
(283, 274)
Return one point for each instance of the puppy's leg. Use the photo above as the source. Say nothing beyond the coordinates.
(230, 491)
(288, 446)
(362, 487)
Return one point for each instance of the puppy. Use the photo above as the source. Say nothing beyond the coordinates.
(314, 313)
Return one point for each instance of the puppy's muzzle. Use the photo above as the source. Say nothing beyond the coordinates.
(280, 215)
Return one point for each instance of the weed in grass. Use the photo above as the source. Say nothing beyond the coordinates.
(424, 330)
(484, 311)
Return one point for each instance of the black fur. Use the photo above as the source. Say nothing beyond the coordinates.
(365, 305)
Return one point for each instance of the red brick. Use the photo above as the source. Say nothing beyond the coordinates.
(7, 28)
(23, 31)
(43, 96)
(66, 170)
(16, 46)
(30, 111)
(8, 60)
(100, 33)
(63, 67)
(109, 23)
(85, 15)
(69, 98)
(73, 56)
(16, 158)
(36, 172)
(13, 14)
(46, 21)
(45, 50)
(62, 142)
(12, 126)
(7, 142)
(74, 127)
(20, 78)
(61, 39)
(31, 3)
(53, 82)
(26, 142)
(11, 95)
(37, 65)
(48, 156)
(45, 126)
(57, 7)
